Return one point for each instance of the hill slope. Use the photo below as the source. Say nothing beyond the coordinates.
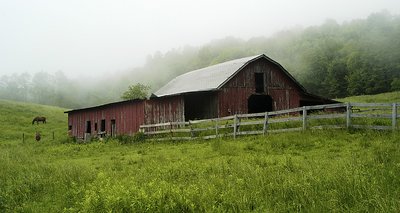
(16, 119)
(389, 97)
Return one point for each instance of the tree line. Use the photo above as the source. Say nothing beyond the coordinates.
(53, 89)
(332, 60)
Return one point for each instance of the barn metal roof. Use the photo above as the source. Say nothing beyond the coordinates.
(210, 78)
(105, 105)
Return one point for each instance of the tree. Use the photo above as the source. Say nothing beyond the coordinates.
(395, 84)
(136, 91)
(43, 88)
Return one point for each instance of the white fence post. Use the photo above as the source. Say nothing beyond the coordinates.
(238, 122)
(170, 130)
(216, 127)
(394, 116)
(234, 126)
(191, 130)
(348, 115)
(265, 127)
(304, 117)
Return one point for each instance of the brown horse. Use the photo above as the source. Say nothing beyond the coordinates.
(39, 119)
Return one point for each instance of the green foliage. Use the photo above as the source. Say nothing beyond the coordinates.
(127, 139)
(395, 85)
(137, 91)
(333, 60)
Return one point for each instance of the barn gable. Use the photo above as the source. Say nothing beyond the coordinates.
(260, 86)
(212, 77)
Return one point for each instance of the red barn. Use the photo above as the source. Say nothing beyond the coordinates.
(246, 85)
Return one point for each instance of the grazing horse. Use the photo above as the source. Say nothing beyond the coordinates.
(39, 119)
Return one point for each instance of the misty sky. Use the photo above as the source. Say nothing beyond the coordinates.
(101, 36)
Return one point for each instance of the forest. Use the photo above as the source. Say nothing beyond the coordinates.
(333, 60)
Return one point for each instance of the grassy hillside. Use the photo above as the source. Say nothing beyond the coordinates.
(16, 119)
(317, 171)
(389, 97)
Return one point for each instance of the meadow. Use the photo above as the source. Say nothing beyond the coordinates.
(312, 171)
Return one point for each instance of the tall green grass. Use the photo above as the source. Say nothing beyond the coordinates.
(312, 171)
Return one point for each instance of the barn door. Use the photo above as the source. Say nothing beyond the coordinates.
(200, 106)
(259, 103)
(113, 128)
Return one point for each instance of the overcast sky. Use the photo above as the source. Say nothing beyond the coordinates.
(100, 36)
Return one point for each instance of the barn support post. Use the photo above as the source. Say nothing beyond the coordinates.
(394, 116)
(348, 115)
(304, 118)
(234, 126)
(265, 127)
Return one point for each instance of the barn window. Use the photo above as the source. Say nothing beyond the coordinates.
(88, 127)
(103, 125)
(259, 81)
(70, 127)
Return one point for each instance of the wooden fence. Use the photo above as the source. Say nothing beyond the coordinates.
(379, 116)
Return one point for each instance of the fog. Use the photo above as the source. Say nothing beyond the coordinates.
(97, 37)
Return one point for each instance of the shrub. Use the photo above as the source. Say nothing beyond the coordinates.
(127, 139)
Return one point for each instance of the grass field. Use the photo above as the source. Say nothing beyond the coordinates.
(312, 171)
(390, 97)
(16, 119)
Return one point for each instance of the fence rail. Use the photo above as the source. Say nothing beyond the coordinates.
(378, 116)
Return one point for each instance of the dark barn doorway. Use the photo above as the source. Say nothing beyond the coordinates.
(103, 125)
(259, 103)
(88, 127)
(200, 106)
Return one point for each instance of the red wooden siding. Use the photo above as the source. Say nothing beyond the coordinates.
(128, 117)
(165, 109)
